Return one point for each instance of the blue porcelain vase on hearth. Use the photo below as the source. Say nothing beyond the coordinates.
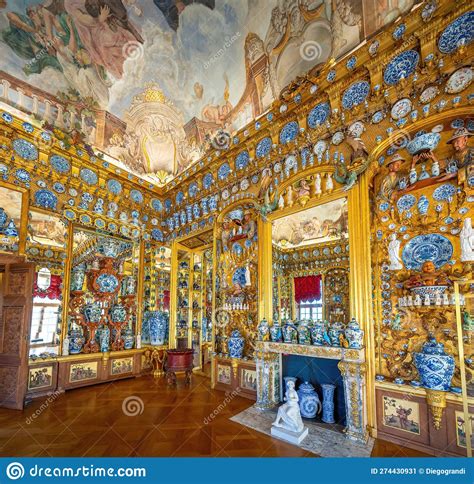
(435, 366)
(235, 344)
(290, 333)
(354, 335)
(335, 330)
(304, 337)
(317, 333)
(328, 402)
(263, 330)
(309, 402)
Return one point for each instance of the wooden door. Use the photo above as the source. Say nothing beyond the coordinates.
(15, 320)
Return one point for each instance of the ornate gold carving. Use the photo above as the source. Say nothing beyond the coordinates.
(437, 401)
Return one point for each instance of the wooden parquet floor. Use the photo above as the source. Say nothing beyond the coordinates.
(169, 422)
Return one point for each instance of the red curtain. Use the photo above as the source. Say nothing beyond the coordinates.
(53, 291)
(307, 288)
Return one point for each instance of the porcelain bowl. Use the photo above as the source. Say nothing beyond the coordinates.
(423, 142)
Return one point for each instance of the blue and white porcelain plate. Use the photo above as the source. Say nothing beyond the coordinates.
(318, 115)
(402, 65)
(289, 132)
(28, 127)
(460, 30)
(25, 149)
(263, 147)
(356, 129)
(114, 186)
(22, 175)
(351, 62)
(59, 187)
(337, 138)
(444, 192)
(355, 94)
(59, 164)
(107, 283)
(136, 196)
(241, 161)
(156, 204)
(401, 108)
(377, 117)
(427, 247)
(223, 171)
(7, 117)
(46, 199)
(88, 176)
(399, 32)
(319, 148)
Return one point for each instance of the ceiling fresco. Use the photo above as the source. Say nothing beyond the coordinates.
(167, 73)
(319, 224)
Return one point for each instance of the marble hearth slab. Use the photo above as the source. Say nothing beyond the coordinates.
(321, 439)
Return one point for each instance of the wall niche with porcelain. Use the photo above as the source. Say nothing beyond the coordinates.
(102, 294)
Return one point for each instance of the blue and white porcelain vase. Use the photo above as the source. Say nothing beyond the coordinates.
(3, 217)
(77, 278)
(328, 402)
(235, 344)
(309, 402)
(263, 330)
(157, 324)
(335, 330)
(304, 337)
(423, 205)
(118, 313)
(290, 333)
(128, 339)
(317, 333)
(354, 335)
(76, 341)
(145, 328)
(275, 331)
(435, 366)
(92, 312)
(104, 338)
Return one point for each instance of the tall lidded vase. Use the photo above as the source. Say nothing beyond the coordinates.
(77, 277)
(309, 402)
(328, 402)
(236, 344)
(157, 324)
(354, 335)
(275, 331)
(317, 333)
(76, 341)
(263, 330)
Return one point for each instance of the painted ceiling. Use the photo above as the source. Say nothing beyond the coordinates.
(319, 224)
(169, 72)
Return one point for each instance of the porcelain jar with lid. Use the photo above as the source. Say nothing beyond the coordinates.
(354, 335)
(128, 338)
(77, 277)
(290, 333)
(310, 404)
(263, 330)
(275, 331)
(304, 337)
(76, 341)
(335, 330)
(157, 324)
(317, 333)
(92, 312)
(435, 366)
(235, 344)
(103, 338)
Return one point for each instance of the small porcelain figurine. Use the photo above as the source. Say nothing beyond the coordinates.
(394, 253)
(467, 241)
(289, 415)
(65, 351)
(317, 184)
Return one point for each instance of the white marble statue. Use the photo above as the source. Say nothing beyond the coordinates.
(467, 241)
(394, 253)
(289, 415)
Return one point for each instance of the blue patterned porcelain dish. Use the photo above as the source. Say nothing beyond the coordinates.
(444, 192)
(241, 161)
(263, 147)
(424, 142)
(289, 132)
(399, 32)
(351, 62)
(331, 77)
(460, 30)
(59, 164)
(156, 205)
(46, 199)
(318, 115)
(22, 175)
(435, 367)
(136, 196)
(114, 187)
(7, 117)
(25, 149)
(224, 171)
(403, 65)
(405, 202)
(157, 234)
(427, 247)
(88, 176)
(355, 94)
(107, 283)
